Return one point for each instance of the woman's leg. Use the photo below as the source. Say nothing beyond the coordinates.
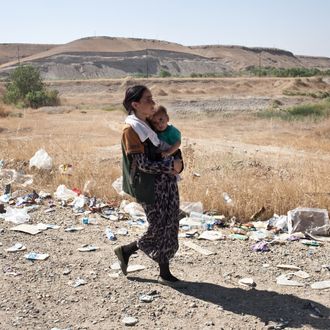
(123, 253)
(165, 273)
(160, 242)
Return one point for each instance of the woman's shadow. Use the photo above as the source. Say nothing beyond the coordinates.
(265, 305)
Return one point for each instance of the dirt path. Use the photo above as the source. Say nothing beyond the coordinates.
(42, 296)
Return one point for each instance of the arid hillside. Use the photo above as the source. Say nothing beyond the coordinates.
(107, 57)
(13, 52)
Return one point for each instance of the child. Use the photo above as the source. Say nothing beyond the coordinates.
(168, 133)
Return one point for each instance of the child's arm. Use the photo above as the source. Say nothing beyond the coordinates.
(172, 149)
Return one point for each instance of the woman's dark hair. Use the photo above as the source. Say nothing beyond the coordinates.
(133, 94)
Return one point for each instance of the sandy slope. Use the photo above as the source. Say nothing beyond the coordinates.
(206, 59)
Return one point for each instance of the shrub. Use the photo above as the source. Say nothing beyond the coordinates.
(12, 94)
(26, 87)
(41, 98)
(300, 112)
(284, 72)
(164, 73)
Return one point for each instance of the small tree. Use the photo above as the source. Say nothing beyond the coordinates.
(26, 86)
(164, 73)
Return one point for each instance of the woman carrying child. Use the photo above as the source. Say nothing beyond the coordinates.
(152, 181)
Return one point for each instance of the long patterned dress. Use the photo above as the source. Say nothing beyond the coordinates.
(160, 241)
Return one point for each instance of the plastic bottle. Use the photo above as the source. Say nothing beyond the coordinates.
(110, 235)
(227, 198)
(207, 221)
(203, 217)
(88, 221)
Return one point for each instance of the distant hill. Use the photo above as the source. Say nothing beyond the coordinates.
(107, 57)
(11, 52)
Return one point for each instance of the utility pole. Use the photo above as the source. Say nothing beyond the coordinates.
(147, 66)
(18, 57)
(260, 64)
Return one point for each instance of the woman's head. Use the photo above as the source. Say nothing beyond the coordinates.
(138, 99)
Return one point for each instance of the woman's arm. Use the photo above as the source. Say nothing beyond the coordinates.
(172, 149)
(153, 167)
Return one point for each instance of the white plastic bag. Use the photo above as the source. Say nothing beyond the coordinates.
(64, 194)
(17, 216)
(118, 186)
(135, 210)
(188, 207)
(41, 160)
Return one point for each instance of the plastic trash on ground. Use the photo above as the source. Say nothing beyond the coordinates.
(41, 160)
(211, 235)
(261, 234)
(204, 218)
(134, 209)
(10, 175)
(285, 279)
(64, 194)
(17, 216)
(36, 256)
(66, 169)
(5, 198)
(306, 219)
(227, 199)
(188, 207)
(78, 282)
(16, 247)
(248, 282)
(190, 223)
(260, 247)
(110, 235)
(321, 285)
(118, 186)
(78, 203)
(129, 320)
(320, 233)
(130, 269)
(279, 222)
(88, 248)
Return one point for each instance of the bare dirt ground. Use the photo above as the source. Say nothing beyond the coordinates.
(41, 295)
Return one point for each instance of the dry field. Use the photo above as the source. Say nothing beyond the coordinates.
(228, 148)
(259, 162)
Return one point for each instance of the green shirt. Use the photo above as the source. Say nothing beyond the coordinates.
(171, 135)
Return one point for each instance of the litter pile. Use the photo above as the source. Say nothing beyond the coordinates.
(67, 237)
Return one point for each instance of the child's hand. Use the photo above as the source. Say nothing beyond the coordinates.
(165, 154)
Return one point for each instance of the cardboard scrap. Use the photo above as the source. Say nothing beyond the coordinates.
(211, 235)
(130, 268)
(285, 280)
(198, 248)
(28, 229)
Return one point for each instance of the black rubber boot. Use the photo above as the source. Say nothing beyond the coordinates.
(165, 273)
(128, 250)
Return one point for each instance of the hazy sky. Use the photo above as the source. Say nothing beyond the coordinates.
(300, 26)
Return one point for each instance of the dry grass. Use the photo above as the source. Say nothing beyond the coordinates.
(253, 182)
(259, 162)
(4, 110)
(68, 142)
(279, 179)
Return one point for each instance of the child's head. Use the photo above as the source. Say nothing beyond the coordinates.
(160, 118)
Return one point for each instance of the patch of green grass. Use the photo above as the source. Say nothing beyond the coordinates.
(300, 112)
(110, 108)
(285, 72)
(315, 95)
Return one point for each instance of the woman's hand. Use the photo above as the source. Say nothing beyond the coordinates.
(177, 165)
